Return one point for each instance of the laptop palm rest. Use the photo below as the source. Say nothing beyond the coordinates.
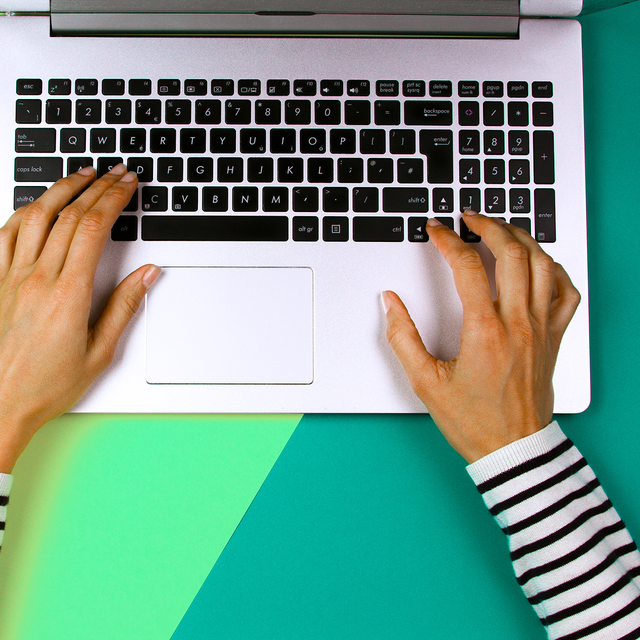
(219, 325)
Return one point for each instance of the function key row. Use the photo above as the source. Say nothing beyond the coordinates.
(248, 87)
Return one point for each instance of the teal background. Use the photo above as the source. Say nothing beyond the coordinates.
(369, 527)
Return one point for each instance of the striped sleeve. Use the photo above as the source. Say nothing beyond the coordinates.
(572, 555)
(6, 481)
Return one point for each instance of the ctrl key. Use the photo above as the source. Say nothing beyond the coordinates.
(125, 228)
(38, 169)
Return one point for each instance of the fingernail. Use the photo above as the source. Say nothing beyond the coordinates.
(432, 222)
(130, 177)
(119, 169)
(386, 301)
(87, 171)
(470, 212)
(150, 276)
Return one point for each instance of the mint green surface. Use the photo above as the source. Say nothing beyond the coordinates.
(368, 527)
(589, 6)
(115, 521)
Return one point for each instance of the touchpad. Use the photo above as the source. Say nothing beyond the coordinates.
(221, 325)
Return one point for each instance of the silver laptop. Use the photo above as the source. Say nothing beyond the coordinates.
(289, 155)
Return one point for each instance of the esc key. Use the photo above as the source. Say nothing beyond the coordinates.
(27, 87)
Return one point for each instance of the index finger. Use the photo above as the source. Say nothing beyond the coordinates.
(94, 227)
(469, 274)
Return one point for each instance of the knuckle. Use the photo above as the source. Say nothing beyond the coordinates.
(469, 259)
(516, 251)
(545, 265)
(93, 221)
(35, 213)
(130, 304)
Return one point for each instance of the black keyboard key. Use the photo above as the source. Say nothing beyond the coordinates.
(28, 86)
(35, 169)
(216, 228)
(177, 112)
(342, 141)
(320, 170)
(518, 114)
(305, 228)
(253, 140)
(313, 140)
(446, 221)
(35, 140)
(417, 230)
(519, 172)
(493, 89)
(414, 88)
(297, 112)
(495, 200)
(428, 112)
(275, 199)
(193, 140)
(249, 87)
(335, 199)
(290, 169)
(125, 229)
(105, 165)
(443, 200)
(58, 112)
(331, 87)
(223, 141)
(196, 87)
(542, 90)
(133, 140)
(545, 215)
(155, 198)
(523, 223)
(410, 171)
(222, 87)
(402, 141)
(378, 229)
(260, 169)
(132, 205)
(28, 111)
(87, 87)
(201, 170)
(405, 200)
(143, 167)
(278, 87)
(372, 141)
(88, 111)
(519, 201)
(208, 112)
(350, 170)
(494, 171)
(470, 171)
(440, 88)
(148, 111)
(437, 145)
(466, 234)
(117, 111)
(113, 87)
(215, 199)
(542, 114)
(305, 199)
(327, 112)
(335, 229)
(102, 141)
(24, 195)
(468, 113)
(304, 87)
(170, 169)
(379, 170)
(162, 140)
(244, 199)
(517, 89)
(358, 88)
(494, 142)
(366, 200)
(268, 112)
(387, 88)
(237, 111)
(357, 112)
(543, 158)
(75, 164)
(169, 87)
(519, 143)
(282, 141)
(59, 87)
(469, 142)
(140, 87)
(493, 114)
(468, 89)
(387, 112)
(229, 169)
(470, 199)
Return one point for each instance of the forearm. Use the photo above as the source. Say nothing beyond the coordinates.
(571, 553)
(5, 486)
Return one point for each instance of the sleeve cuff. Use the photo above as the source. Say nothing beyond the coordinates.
(6, 481)
(516, 453)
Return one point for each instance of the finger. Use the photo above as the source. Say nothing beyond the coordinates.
(541, 275)
(512, 264)
(403, 337)
(563, 306)
(468, 271)
(8, 235)
(122, 305)
(38, 215)
(60, 239)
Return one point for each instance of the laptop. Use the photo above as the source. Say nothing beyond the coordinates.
(289, 155)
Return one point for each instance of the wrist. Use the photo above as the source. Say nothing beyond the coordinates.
(14, 437)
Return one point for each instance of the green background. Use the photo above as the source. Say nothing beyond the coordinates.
(367, 526)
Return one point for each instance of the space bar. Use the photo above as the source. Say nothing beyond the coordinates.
(216, 228)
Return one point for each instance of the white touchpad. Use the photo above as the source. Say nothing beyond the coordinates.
(221, 325)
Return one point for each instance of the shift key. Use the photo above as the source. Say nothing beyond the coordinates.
(34, 169)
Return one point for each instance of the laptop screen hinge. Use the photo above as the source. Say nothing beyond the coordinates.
(461, 18)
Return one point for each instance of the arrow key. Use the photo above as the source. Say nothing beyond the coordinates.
(417, 231)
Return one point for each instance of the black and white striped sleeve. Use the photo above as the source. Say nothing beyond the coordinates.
(572, 555)
(5, 486)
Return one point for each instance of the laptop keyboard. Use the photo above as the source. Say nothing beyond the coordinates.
(303, 160)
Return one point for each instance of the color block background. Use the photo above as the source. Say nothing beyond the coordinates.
(367, 527)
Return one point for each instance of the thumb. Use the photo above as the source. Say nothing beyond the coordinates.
(403, 337)
(122, 305)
